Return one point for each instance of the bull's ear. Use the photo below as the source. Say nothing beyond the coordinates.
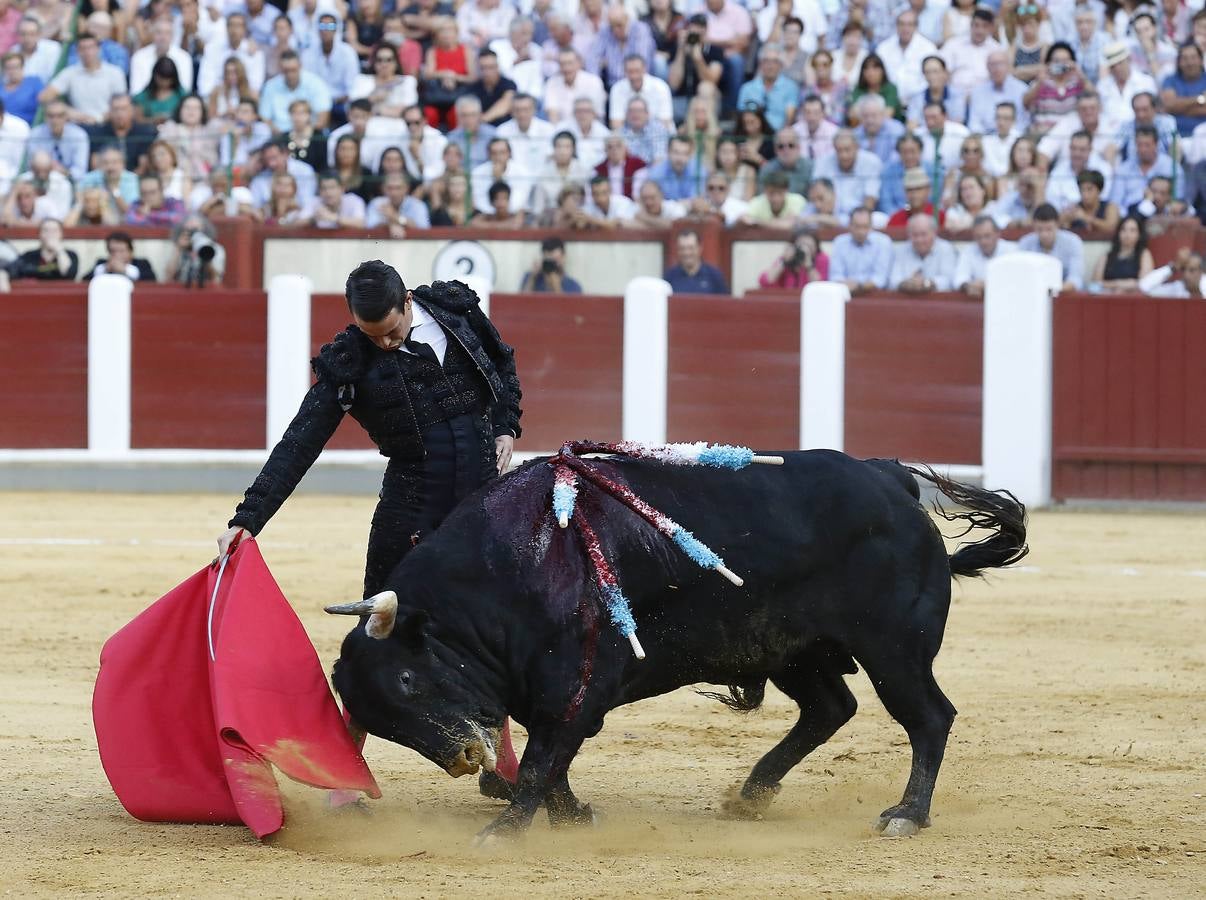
(413, 629)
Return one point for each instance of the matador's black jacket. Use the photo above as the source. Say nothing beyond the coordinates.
(431, 421)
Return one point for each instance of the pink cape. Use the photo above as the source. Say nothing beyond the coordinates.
(193, 706)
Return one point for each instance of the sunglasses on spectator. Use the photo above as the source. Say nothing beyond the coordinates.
(1028, 10)
(327, 26)
(786, 146)
(383, 59)
(718, 187)
(969, 149)
(413, 122)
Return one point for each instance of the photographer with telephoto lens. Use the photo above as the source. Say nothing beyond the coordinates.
(196, 259)
(547, 275)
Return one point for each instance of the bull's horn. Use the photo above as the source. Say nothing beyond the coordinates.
(382, 610)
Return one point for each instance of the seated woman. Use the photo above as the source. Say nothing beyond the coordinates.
(448, 69)
(49, 261)
(1028, 47)
(388, 89)
(973, 202)
(561, 169)
(95, 207)
(356, 178)
(500, 215)
(223, 100)
(742, 174)
(160, 99)
(971, 162)
(569, 213)
(242, 137)
(873, 79)
(194, 139)
(801, 262)
(1127, 260)
(305, 143)
(1052, 95)
(162, 161)
(451, 205)
(284, 209)
(1090, 213)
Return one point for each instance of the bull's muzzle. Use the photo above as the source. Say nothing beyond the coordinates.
(478, 753)
(382, 610)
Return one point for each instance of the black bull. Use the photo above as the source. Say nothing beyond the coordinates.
(497, 615)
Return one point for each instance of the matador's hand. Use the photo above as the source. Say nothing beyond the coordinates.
(227, 537)
(503, 445)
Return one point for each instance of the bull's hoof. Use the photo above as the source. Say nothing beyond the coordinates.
(494, 786)
(897, 827)
(583, 815)
(504, 828)
(750, 804)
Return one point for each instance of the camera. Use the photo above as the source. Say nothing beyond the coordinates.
(797, 259)
(550, 267)
(1058, 68)
(692, 37)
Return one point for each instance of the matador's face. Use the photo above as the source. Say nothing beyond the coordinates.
(390, 332)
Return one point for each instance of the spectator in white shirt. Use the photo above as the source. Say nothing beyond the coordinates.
(482, 21)
(718, 202)
(570, 83)
(967, 57)
(1121, 82)
(41, 54)
(925, 262)
(772, 18)
(235, 42)
(501, 166)
(161, 45)
(903, 55)
(517, 48)
(607, 209)
(1088, 118)
(423, 147)
(942, 139)
(530, 137)
(973, 259)
(396, 208)
(998, 144)
(590, 133)
(1186, 269)
(637, 82)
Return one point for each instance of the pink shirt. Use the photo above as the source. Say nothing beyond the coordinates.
(731, 22)
(8, 28)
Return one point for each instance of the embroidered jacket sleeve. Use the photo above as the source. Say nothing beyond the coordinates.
(337, 366)
(506, 412)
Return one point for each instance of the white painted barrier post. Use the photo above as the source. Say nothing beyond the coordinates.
(1016, 429)
(288, 351)
(823, 365)
(482, 288)
(109, 364)
(646, 359)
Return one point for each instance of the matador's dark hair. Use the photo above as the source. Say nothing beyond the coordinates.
(374, 290)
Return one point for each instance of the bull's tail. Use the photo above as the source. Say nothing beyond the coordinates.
(997, 511)
(745, 697)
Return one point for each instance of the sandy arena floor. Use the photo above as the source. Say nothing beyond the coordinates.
(1077, 766)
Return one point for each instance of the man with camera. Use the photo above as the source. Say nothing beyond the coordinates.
(696, 67)
(547, 275)
(121, 260)
(196, 259)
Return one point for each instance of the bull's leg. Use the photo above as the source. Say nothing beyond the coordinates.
(546, 760)
(826, 704)
(564, 808)
(912, 697)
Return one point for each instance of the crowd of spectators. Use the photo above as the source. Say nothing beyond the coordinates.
(1060, 117)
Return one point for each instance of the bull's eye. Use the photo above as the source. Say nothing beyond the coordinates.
(405, 678)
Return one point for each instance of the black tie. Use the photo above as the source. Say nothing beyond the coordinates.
(418, 348)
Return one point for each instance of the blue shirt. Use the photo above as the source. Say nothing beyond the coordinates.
(1183, 88)
(867, 262)
(476, 151)
(956, 109)
(938, 265)
(276, 97)
(891, 185)
(982, 105)
(127, 186)
(708, 280)
(338, 70)
(675, 186)
(883, 144)
(1166, 127)
(782, 96)
(853, 187)
(1068, 249)
(536, 285)
(71, 149)
(22, 101)
(1130, 182)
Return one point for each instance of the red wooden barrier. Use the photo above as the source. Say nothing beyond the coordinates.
(570, 358)
(914, 378)
(44, 367)
(734, 371)
(1129, 419)
(197, 370)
